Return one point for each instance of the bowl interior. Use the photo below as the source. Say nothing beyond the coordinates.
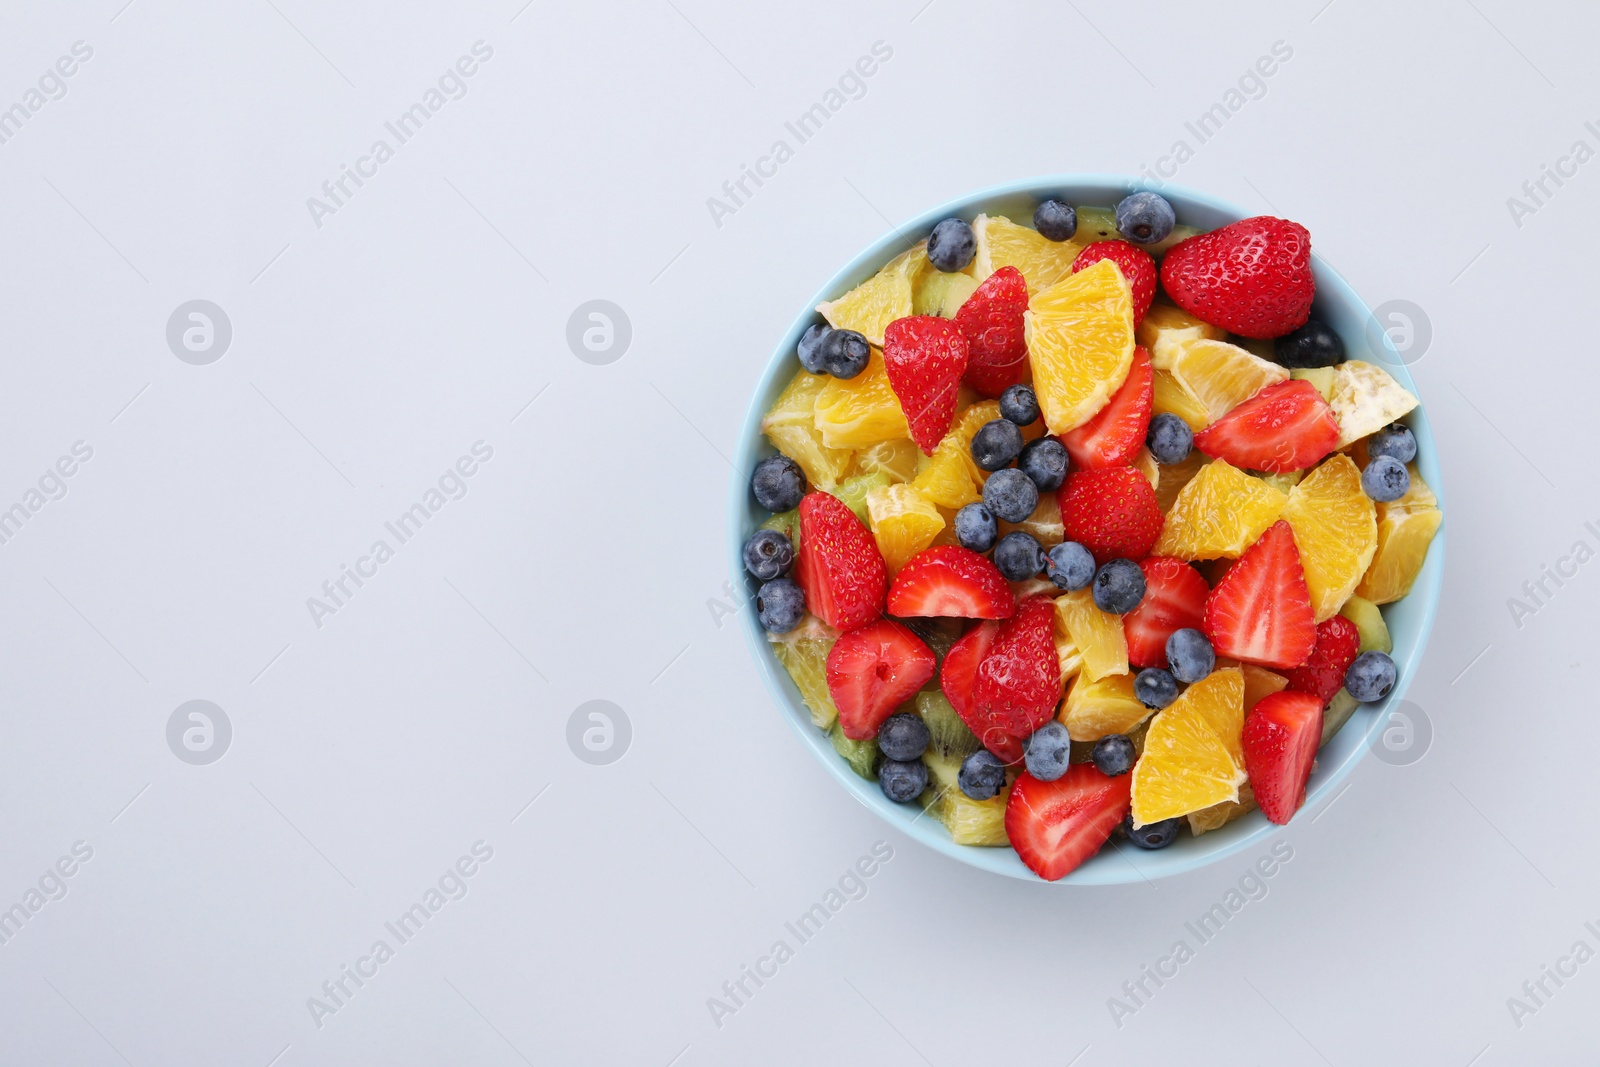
(1409, 620)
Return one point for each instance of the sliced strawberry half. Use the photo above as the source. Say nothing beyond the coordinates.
(1114, 436)
(1055, 826)
(1280, 744)
(959, 672)
(873, 670)
(1284, 427)
(1251, 277)
(839, 569)
(925, 357)
(1174, 599)
(1261, 610)
(1111, 512)
(991, 321)
(951, 581)
(1136, 266)
(1322, 674)
(1019, 681)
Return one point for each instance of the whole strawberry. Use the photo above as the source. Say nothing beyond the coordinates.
(1251, 277)
(1322, 674)
(925, 357)
(991, 321)
(1112, 512)
(1136, 266)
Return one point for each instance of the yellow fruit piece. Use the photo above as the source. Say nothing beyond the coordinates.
(1166, 326)
(1222, 376)
(938, 293)
(1002, 243)
(898, 459)
(803, 652)
(1219, 815)
(1173, 397)
(1405, 529)
(878, 301)
(1193, 757)
(1146, 465)
(949, 477)
(1370, 623)
(1336, 531)
(1175, 476)
(1097, 635)
(1080, 343)
(1282, 481)
(902, 522)
(1067, 654)
(970, 822)
(860, 411)
(790, 425)
(1365, 398)
(1260, 682)
(1221, 512)
(1321, 377)
(1044, 524)
(1093, 709)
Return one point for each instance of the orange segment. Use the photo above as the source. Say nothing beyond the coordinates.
(860, 411)
(1097, 635)
(1221, 512)
(1173, 397)
(1193, 757)
(949, 477)
(902, 522)
(1260, 682)
(898, 459)
(882, 298)
(1044, 524)
(1221, 376)
(790, 425)
(1094, 709)
(1336, 530)
(1219, 815)
(1175, 476)
(1080, 343)
(1002, 243)
(1405, 529)
(1166, 326)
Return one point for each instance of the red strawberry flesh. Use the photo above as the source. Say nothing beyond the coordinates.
(1285, 427)
(949, 580)
(839, 567)
(991, 320)
(1111, 512)
(925, 357)
(1261, 610)
(873, 670)
(1280, 744)
(1056, 826)
(1252, 277)
(1322, 674)
(1116, 433)
(1174, 599)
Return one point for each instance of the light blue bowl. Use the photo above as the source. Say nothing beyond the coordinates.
(1410, 620)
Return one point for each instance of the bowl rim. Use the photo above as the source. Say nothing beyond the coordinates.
(1246, 832)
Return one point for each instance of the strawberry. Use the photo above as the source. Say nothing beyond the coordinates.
(1019, 682)
(991, 321)
(1136, 266)
(1111, 512)
(1280, 743)
(872, 671)
(959, 671)
(925, 357)
(1284, 427)
(1261, 610)
(951, 581)
(840, 569)
(1252, 277)
(1322, 674)
(1116, 433)
(1055, 826)
(1174, 599)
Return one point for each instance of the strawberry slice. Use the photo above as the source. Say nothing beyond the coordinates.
(1322, 674)
(1261, 610)
(952, 581)
(960, 669)
(1284, 427)
(925, 357)
(1019, 681)
(991, 321)
(1252, 277)
(1174, 599)
(872, 671)
(1136, 266)
(1112, 512)
(1114, 436)
(1055, 826)
(840, 569)
(1280, 744)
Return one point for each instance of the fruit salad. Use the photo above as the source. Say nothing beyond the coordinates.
(1084, 527)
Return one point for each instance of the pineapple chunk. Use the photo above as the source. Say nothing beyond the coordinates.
(1365, 399)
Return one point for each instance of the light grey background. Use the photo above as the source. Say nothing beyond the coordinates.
(584, 563)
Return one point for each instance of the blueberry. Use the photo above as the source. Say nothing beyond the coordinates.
(778, 483)
(1048, 751)
(1370, 676)
(1155, 687)
(1011, 495)
(1189, 655)
(768, 554)
(1070, 566)
(996, 444)
(1113, 754)
(1044, 460)
(903, 737)
(1154, 835)
(976, 528)
(810, 349)
(780, 605)
(1312, 345)
(1018, 556)
(1385, 479)
(1020, 405)
(1145, 218)
(1395, 439)
(845, 353)
(1118, 586)
(1169, 439)
(982, 775)
(902, 780)
(951, 245)
(1056, 220)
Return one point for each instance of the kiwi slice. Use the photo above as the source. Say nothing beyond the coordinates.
(938, 634)
(970, 822)
(1336, 714)
(853, 491)
(950, 736)
(1368, 620)
(861, 755)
